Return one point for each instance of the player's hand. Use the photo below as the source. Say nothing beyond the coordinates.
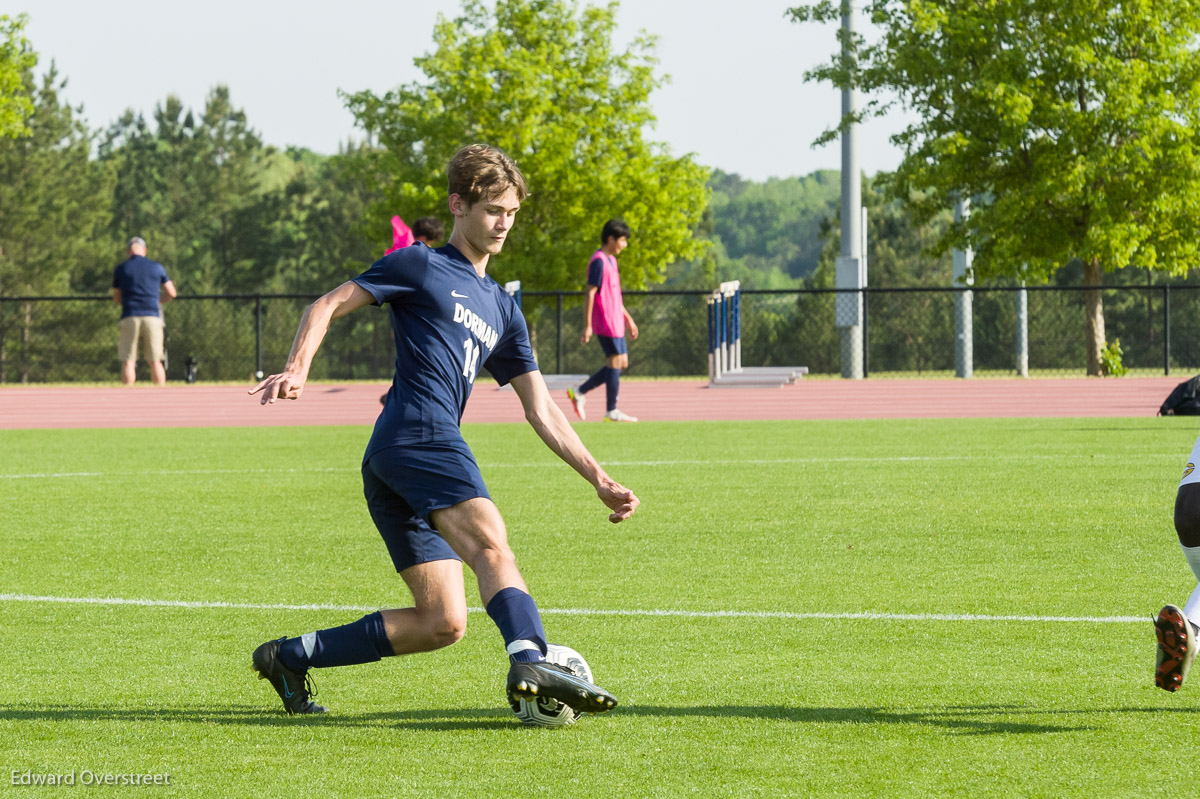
(286, 385)
(585, 336)
(619, 499)
(633, 331)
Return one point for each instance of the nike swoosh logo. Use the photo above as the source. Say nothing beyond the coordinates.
(286, 691)
(572, 678)
(456, 294)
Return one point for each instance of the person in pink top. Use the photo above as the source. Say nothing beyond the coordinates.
(426, 230)
(604, 314)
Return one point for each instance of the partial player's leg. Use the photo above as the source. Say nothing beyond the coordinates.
(618, 359)
(1177, 636)
(423, 559)
(476, 531)
(575, 395)
(438, 618)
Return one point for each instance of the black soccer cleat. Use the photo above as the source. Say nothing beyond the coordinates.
(546, 679)
(1176, 648)
(295, 688)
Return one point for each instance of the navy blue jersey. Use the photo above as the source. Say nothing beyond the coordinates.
(448, 322)
(140, 281)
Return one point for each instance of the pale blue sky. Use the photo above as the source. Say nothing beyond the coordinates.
(736, 97)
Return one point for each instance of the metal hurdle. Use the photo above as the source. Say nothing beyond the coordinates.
(725, 345)
(513, 287)
(553, 381)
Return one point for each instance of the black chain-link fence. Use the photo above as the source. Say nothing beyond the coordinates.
(907, 332)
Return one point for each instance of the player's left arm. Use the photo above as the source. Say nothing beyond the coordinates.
(552, 427)
(633, 331)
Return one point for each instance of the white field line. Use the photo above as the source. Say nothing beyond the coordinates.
(881, 460)
(163, 472)
(688, 614)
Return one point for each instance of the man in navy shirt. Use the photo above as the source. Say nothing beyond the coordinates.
(422, 485)
(140, 286)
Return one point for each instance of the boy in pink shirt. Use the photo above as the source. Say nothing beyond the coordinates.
(604, 314)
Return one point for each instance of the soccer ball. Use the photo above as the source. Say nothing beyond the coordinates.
(544, 711)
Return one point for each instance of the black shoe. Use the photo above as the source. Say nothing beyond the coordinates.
(295, 688)
(542, 679)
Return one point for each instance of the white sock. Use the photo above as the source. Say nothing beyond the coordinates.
(1193, 558)
(1192, 608)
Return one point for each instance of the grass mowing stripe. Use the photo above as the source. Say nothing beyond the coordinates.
(690, 614)
(554, 464)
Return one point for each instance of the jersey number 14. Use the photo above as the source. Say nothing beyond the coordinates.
(471, 360)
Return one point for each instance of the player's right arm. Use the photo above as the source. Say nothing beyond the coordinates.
(595, 277)
(588, 304)
(556, 432)
(289, 383)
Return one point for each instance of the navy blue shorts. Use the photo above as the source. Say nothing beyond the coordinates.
(612, 346)
(404, 484)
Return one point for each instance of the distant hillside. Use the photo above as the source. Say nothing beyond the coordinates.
(768, 235)
(778, 221)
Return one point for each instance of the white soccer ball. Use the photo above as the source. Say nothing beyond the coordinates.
(544, 711)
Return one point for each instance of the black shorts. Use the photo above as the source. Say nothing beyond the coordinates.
(404, 484)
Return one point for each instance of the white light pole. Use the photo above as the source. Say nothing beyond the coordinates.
(964, 334)
(850, 274)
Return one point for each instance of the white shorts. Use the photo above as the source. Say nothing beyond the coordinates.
(1190, 473)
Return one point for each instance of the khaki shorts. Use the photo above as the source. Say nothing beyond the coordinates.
(147, 328)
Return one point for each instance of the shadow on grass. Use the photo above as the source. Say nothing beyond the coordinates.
(964, 720)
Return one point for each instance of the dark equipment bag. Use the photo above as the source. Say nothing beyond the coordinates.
(1183, 399)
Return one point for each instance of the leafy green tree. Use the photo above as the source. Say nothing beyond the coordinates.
(910, 331)
(231, 162)
(541, 80)
(323, 234)
(1075, 123)
(53, 219)
(194, 188)
(16, 59)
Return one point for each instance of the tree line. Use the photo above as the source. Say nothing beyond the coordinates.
(1079, 161)
(229, 213)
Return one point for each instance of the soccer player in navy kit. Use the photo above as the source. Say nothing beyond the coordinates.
(422, 485)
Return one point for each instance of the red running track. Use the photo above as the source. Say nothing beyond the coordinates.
(30, 407)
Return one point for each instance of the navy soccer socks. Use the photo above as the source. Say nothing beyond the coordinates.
(516, 614)
(610, 378)
(598, 379)
(366, 641)
(613, 382)
(362, 641)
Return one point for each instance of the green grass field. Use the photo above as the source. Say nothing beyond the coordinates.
(728, 615)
